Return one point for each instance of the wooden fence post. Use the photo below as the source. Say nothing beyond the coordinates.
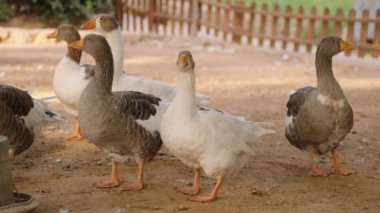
(226, 19)
(119, 12)
(251, 22)
(263, 21)
(217, 19)
(276, 12)
(338, 22)
(174, 17)
(376, 37)
(181, 11)
(350, 28)
(151, 16)
(363, 33)
(194, 18)
(127, 14)
(143, 6)
(189, 18)
(134, 14)
(288, 13)
(208, 18)
(325, 22)
(6, 193)
(311, 29)
(166, 13)
(238, 21)
(299, 27)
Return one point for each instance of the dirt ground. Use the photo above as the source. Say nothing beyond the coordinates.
(242, 80)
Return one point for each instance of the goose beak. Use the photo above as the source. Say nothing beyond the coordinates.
(53, 34)
(77, 44)
(344, 45)
(90, 24)
(183, 60)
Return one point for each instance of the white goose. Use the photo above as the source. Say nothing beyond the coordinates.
(218, 142)
(107, 25)
(70, 78)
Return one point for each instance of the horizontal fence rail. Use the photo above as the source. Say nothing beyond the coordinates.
(287, 28)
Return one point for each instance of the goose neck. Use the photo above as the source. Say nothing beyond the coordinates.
(115, 40)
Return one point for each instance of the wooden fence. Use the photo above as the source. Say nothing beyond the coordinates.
(288, 28)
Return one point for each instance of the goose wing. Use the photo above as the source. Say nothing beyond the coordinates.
(136, 104)
(297, 99)
(19, 134)
(19, 101)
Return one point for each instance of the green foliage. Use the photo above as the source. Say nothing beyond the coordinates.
(5, 10)
(333, 5)
(56, 11)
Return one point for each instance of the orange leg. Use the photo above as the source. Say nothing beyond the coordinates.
(139, 184)
(337, 168)
(77, 135)
(115, 181)
(196, 188)
(212, 196)
(316, 170)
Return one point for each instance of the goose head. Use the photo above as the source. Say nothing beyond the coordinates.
(95, 45)
(331, 45)
(65, 32)
(185, 62)
(103, 23)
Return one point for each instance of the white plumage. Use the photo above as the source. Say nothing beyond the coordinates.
(39, 115)
(218, 142)
(69, 81)
(123, 82)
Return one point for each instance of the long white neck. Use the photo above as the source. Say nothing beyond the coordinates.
(116, 42)
(184, 101)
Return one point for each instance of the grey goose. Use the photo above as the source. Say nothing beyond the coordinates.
(318, 118)
(113, 120)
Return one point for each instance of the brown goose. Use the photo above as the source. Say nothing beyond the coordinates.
(15, 103)
(319, 118)
(70, 78)
(112, 120)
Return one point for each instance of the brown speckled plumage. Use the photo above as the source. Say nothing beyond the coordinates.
(321, 117)
(109, 119)
(15, 103)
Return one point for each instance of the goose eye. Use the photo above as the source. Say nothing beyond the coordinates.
(101, 18)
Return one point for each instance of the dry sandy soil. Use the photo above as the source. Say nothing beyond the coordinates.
(253, 82)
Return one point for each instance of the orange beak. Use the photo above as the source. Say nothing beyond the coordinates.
(77, 44)
(53, 34)
(183, 59)
(90, 24)
(344, 45)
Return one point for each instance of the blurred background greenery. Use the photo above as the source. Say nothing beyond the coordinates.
(54, 11)
(333, 5)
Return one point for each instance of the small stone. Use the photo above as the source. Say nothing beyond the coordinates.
(182, 208)
(58, 160)
(55, 175)
(257, 192)
(267, 203)
(121, 210)
(285, 57)
(184, 182)
(64, 210)
(42, 191)
(364, 141)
